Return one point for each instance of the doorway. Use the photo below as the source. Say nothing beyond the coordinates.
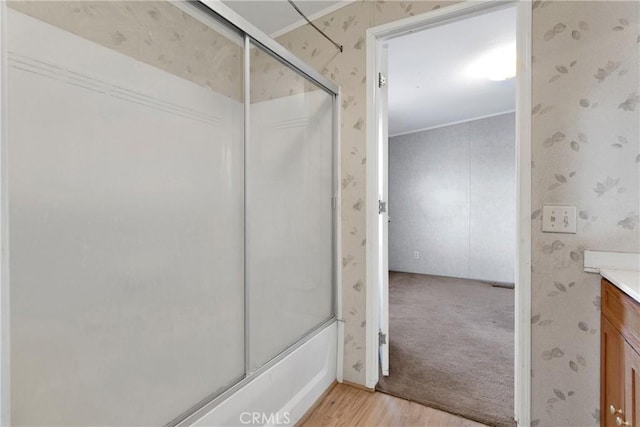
(380, 209)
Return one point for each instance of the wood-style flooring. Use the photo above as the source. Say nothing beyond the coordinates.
(349, 406)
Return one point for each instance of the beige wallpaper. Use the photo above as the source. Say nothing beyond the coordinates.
(272, 79)
(164, 36)
(586, 151)
(154, 32)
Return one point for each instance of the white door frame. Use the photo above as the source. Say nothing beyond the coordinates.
(375, 37)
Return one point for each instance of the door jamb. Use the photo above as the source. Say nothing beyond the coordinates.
(375, 36)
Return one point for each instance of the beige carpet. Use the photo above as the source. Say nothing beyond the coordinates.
(451, 346)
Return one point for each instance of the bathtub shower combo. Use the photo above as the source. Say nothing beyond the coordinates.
(171, 216)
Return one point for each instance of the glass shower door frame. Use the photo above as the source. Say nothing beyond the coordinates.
(254, 36)
(251, 35)
(5, 368)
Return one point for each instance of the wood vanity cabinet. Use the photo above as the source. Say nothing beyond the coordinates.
(619, 358)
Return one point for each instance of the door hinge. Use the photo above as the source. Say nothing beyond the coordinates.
(382, 80)
(334, 202)
(382, 206)
(382, 338)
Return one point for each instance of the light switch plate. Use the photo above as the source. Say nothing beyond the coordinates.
(559, 219)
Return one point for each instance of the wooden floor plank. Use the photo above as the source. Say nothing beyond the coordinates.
(346, 406)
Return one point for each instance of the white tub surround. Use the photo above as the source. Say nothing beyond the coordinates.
(283, 393)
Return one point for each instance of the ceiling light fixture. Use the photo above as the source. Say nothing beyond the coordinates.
(496, 65)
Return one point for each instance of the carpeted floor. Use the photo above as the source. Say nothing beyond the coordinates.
(451, 346)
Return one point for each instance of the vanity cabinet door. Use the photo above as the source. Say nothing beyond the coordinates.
(631, 387)
(611, 371)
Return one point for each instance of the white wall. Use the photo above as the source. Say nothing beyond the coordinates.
(452, 199)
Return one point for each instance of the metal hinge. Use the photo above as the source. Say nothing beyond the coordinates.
(382, 80)
(382, 206)
(334, 202)
(382, 338)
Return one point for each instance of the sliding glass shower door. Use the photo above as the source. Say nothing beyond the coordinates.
(171, 222)
(126, 211)
(289, 206)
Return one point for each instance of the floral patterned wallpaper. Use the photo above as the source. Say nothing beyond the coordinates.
(162, 35)
(272, 79)
(586, 152)
(154, 32)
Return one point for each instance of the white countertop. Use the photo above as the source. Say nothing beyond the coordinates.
(628, 281)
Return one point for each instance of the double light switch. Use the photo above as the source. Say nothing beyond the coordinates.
(559, 219)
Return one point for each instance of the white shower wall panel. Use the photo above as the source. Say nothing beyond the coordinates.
(126, 229)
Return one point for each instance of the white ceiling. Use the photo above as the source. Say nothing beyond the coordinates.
(429, 85)
(274, 16)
